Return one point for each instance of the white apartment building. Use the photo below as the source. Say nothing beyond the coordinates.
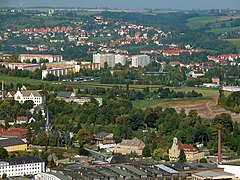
(140, 60)
(60, 71)
(102, 58)
(39, 57)
(22, 66)
(21, 166)
(35, 96)
(120, 59)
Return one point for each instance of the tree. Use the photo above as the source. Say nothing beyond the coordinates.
(146, 151)
(28, 104)
(4, 176)
(223, 122)
(82, 151)
(203, 160)
(151, 119)
(3, 153)
(157, 154)
(182, 156)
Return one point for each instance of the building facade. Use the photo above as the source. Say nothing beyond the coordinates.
(21, 166)
(35, 96)
(102, 58)
(61, 71)
(130, 146)
(13, 144)
(92, 66)
(140, 60)
(192, 155)
(120, 59)
(22, 66)
(40, 57)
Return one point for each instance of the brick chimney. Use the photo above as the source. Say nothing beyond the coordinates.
(219, 148)
(75, 92)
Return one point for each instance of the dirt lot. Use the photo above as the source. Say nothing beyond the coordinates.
(208, 109)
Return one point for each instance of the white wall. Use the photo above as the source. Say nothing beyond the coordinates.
(231, 169)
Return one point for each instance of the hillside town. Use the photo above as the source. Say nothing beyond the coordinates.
(118, 95)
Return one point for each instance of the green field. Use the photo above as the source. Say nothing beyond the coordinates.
(214, 22)
(236, 42)
(198, 22)
(223, 30)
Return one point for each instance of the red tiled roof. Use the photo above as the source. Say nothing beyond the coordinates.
(186, 147)
(14, 132)
(22, 118)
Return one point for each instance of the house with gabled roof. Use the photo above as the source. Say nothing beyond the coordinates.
(104, 138)
(127, 146)
(37, 97)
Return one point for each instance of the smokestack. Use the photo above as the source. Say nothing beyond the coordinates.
(219, 147)
(2, 90)
(75, 92)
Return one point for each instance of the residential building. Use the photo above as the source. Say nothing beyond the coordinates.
(83, 100)
(60, 71)
(102, 58)
(13, 144)
(21, 120)
(22, 66)
(87, 65)
(11, 94)
(37, 97)
(65, 94)
(213, 175)
(21, 166)
(5, 56)
(196, 74)
(14, 133)
(216, 80)
(140, 60)
(192, 155)
(104, 138)
(40, 57)
(120, 59)
(129, 146)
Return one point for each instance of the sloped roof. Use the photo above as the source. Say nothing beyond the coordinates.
(117, 159)
(11, 142)
(101, 135)
(22, 160)
(186, 147)
(35, 93)
(134, 142)
(64, 94)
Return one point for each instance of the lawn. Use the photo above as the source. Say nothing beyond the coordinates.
(15, 80)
